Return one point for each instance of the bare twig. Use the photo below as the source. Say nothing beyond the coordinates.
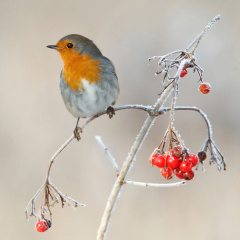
(31, 203)
(209, 126)
(196, 41)
(55, 155)
(114, 163)
(148, 109)
(162, 185)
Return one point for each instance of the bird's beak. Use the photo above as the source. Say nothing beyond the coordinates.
(54, 47)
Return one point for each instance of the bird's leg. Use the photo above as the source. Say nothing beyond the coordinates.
(77, 131)
(110, 111)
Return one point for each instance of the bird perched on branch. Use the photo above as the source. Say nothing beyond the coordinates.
(88, 80)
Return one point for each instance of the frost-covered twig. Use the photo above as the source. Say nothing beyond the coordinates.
(55, 155)
(209, 126)
(31, 203)
(148, 109)
(176, 58)
(107, 152)
(196, 41)
(162, 185)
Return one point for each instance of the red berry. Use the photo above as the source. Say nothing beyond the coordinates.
(177, 151)
(205, 88)
(152, 158)
(193, 159)
(173, 161)
(183, 72)
(188, 175)
(167, 173)
(160, 161)
(42, 226)
(179, 173)
(185, 166)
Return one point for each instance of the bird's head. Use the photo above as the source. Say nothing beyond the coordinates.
(73, 45)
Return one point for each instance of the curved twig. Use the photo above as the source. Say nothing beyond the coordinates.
(209, 127)
(148, 109)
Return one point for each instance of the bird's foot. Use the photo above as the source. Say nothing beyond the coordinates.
(110, 111)
(77, 132)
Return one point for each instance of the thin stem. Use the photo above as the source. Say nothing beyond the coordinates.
(56, 155)
(163, 140)
(178, 138)
(107, 152)
(194, 44)
(162, 185)
(32, 203)
(165, 56)
(209, 127)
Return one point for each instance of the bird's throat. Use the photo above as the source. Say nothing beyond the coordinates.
(78, 67)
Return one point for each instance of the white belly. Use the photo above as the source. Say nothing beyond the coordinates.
(94, 99)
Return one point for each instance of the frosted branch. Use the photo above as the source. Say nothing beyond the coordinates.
(31, 204)
(196, 41)
(161, 185)
(148, 109)
(204, 116)
(107, 152)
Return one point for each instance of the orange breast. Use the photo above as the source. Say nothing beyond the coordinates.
(78, 67)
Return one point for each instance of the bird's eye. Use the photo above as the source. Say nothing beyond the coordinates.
(69, 45)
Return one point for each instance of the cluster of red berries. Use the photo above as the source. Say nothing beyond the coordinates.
(204, 87)
(177, 162)
(43, 225)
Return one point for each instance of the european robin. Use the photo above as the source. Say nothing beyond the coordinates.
(88, 80)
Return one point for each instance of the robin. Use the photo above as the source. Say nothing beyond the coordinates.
(88, 80)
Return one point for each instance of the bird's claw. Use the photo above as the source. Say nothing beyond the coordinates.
(77, 132)
(110, 112)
